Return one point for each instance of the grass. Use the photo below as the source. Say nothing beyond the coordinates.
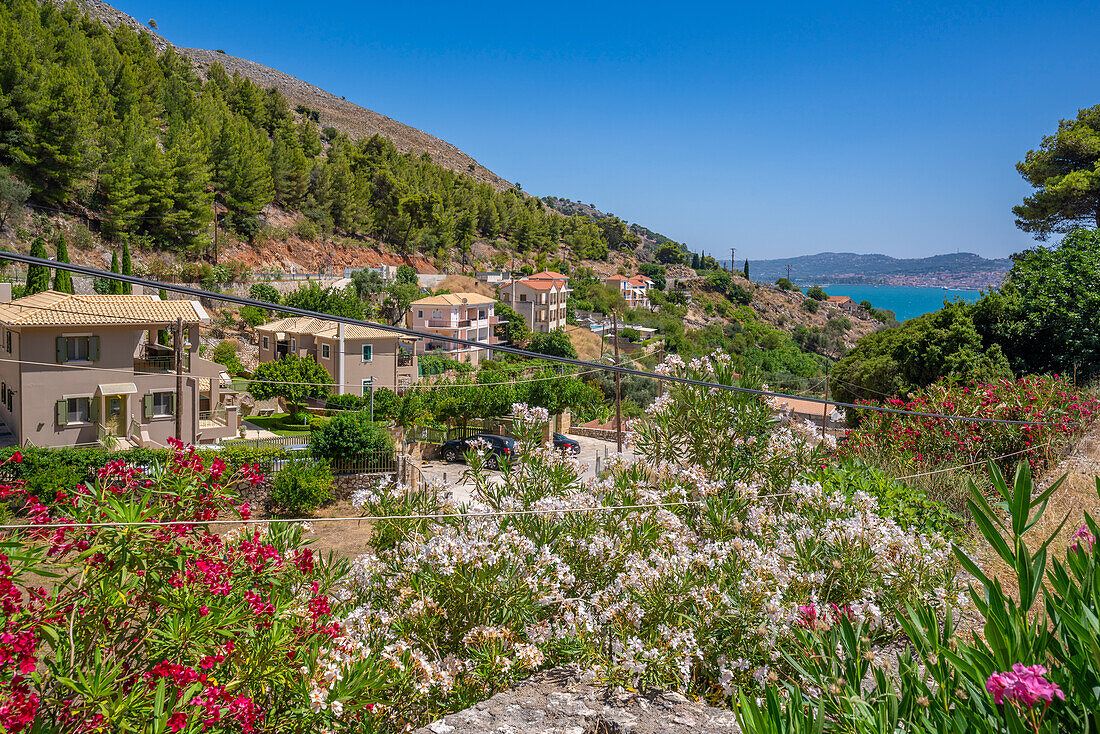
(274, 423)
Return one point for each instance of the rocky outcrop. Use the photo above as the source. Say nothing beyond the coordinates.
(561, 701)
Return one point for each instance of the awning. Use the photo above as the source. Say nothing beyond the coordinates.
(117, 388)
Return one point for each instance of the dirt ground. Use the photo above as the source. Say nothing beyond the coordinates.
(1076, 497)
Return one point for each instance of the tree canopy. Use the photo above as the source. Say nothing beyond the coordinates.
(896, 362)
(553, 343)
(292, 378)
(1065, 172)
(1046, 315)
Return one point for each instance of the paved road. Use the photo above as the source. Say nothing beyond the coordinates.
(450, 474)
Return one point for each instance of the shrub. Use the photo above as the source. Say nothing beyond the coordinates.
(817, 293)
(265, 292)
(1033, 667)
(905, 444)
(254, 315)
(301, 485)
(348, 401)
(348, 436)
(811, 305)
(145, 628)
(786, 285)
(226, 354)
(307, 229)
(631, 335)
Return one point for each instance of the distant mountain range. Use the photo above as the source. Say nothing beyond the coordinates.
(956, 270)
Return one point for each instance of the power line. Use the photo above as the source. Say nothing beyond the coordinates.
(403, 331)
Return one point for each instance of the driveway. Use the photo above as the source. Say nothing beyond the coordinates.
(593, 451)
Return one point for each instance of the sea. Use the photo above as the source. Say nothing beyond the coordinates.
(905, 301)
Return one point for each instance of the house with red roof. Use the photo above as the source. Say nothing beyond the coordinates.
(540, 298)
(634, 290)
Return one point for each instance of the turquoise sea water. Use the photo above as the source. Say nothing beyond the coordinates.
(904, 301)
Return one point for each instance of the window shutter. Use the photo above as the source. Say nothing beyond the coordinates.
(147, 405)
(62, 348)
(172, 403)
(93, 348)
(93, 410)
(62, 412)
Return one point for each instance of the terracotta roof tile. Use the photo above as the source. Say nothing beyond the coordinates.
(51, 308)
(455, 299)
(324, 328)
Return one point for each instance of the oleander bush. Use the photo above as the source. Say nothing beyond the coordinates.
(172, 627)
(700, 594)
(1034, 667)
(907, 445)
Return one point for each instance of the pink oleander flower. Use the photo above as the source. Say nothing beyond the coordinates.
(1024, 685)
(1083, 535)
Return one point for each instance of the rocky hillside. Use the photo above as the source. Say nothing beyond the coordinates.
(335, 111)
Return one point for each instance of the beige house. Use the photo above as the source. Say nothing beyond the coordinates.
(357, 357)
(470, 316)
(634, 290)
(539, 298)
(845, 304)
(78, 369)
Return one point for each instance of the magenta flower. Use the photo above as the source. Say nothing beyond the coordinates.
(1024, 685)
(1083, 535)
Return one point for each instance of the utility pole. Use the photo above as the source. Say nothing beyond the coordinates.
(178, 343)
(618, 390)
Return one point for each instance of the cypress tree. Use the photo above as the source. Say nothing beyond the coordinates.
(127, 268)
(38, 276)
(746, 268)
(116, 286)
(62, 279)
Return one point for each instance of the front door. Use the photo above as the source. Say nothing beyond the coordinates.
(115, 412)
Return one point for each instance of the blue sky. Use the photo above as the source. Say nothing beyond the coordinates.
(779, 129)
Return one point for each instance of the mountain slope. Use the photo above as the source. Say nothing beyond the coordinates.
(954, 270)
(357, 122)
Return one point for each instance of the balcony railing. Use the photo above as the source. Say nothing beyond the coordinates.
(404, 360)
(216, 417)
(442, 324)
(159, 359)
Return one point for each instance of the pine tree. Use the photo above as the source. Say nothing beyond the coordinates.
(241, 171)
(127, 268)
(62, 279)
(192, 201)
(38, 276)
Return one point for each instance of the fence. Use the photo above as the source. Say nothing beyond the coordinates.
(438, 436)
(294, 439)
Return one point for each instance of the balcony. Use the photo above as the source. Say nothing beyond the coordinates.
(404, 360)
(154, 358)
(442, 324)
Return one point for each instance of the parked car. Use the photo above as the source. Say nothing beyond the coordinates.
(498, 446)
(563, 442)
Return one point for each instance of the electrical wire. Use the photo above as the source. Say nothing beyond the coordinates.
(242, 301)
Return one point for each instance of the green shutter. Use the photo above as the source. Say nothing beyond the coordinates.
(147, 406)
(93, 348)
(62, 350)
(62, 412)
(172, 403)
(93, 410)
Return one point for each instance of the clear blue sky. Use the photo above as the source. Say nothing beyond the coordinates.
(778, 128)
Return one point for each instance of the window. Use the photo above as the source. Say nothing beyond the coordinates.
(11, 399)
(7, 340)
(481, 313)
(437, 314)
(523, 296)
(77, 410)
(265, 342)
(368, 352)
(324, 351)
(293, 345)
(77, 349)
(419, 314)
(163, 403)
